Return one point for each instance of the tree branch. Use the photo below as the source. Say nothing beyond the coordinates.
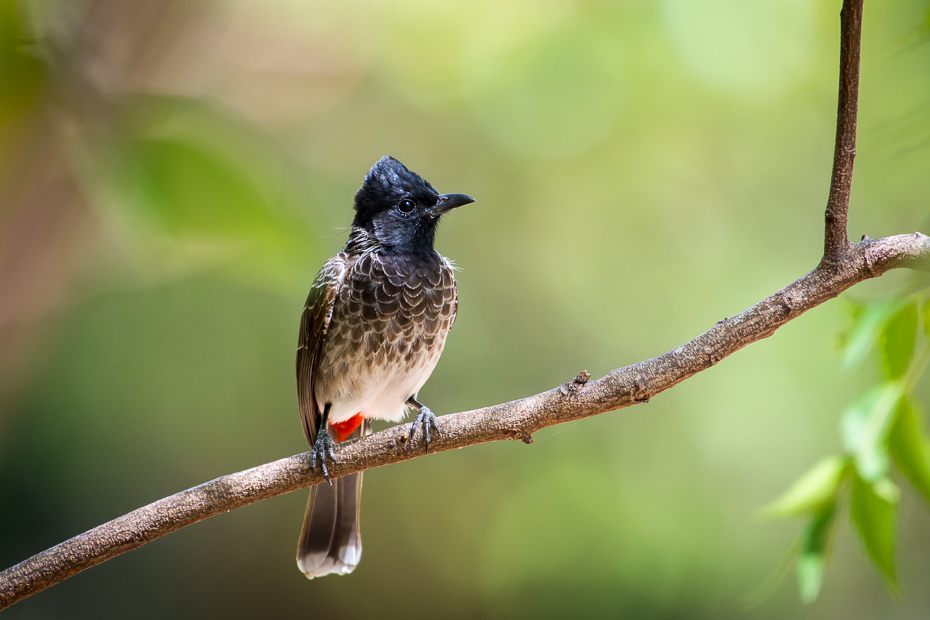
(514, 420)
(844, 153)
(843, 266)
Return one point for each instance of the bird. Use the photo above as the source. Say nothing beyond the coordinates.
(371, 332)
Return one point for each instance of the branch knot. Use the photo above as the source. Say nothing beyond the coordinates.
(575, 385)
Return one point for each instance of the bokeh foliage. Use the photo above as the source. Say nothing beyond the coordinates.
(172, 174)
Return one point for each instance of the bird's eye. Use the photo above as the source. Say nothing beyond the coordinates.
(406, 206)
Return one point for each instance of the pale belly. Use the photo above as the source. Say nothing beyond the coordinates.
(379, 390)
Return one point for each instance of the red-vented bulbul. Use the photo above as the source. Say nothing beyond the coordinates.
(372, 330)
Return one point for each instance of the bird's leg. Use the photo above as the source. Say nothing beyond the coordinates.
(324, 446)
(425, 418)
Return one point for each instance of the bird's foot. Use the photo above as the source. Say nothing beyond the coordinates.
(426, 419)
(323, 448)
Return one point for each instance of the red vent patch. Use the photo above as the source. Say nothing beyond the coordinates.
(344, 429)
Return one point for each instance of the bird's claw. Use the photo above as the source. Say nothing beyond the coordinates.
(323, 447)
(426, 419)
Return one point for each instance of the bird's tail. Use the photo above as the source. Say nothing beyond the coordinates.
(330, 540)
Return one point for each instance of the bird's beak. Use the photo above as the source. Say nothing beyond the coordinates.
(447, 202)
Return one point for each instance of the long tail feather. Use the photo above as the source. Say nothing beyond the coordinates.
(330, 540)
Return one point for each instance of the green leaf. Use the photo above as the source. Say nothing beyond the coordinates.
(910, 446)
(865, 428)
(188, 186)
(897, 341)
(810, 575)
(874, 510)
(815, 545)
(193, 189)
(865, 330)
(813, 490)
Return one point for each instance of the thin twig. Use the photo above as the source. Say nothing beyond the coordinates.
(844, 153)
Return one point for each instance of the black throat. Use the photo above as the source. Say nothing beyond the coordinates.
(414, 238)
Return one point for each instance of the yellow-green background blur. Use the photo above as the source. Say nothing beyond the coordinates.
(172, 175)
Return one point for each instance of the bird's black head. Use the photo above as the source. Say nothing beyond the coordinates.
(400, 209)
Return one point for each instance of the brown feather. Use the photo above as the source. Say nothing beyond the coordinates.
(314, 325)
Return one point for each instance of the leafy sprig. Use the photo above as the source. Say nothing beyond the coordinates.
(884, 426)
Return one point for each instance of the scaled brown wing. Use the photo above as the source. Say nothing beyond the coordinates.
(314, 324)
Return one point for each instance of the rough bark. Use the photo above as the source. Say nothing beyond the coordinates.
(844, 152)
(843, 266)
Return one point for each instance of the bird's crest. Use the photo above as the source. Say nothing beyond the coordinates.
(387, 182)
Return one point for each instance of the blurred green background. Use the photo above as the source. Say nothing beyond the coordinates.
(172, 175)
